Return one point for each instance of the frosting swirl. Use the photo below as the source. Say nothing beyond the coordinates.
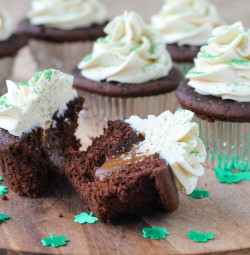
(176, 139)
(33, 103)
(67, 14)
(186, 22)
(6, 25)
(132, 52)
(222, 67)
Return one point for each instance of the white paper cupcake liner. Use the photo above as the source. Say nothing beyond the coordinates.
(184, 67)
(228, 144)
(100, 109)
(6, 68)
(61, 56)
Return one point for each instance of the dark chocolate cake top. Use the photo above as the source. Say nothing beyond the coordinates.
(212, 108)
(10, 42)
(116, 89)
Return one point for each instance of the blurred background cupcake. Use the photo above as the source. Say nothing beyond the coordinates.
(218, 91)
(186, 25)
(61, 30)
(129, 72)
(10, 44)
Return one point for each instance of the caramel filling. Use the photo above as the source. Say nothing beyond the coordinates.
(118, 162)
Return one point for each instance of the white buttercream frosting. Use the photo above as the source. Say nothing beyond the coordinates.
(186, 22)
(67, 14)
(222, 67)
(32, 104)
(132, 52)
(177, 141)
(6, 25)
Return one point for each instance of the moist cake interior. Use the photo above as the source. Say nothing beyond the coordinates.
(132, 188)
(28, 161)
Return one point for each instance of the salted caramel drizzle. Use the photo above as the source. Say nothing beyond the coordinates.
(118, 162)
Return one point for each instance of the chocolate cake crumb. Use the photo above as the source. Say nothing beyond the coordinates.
(4, 197)
(134, 188)
(28, 161)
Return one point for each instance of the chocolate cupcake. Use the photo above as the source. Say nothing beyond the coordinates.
(137, 163)
(60, 31)
(10, 44)
(128, 72)
(186, 25)
(38, 120)
(218, 91)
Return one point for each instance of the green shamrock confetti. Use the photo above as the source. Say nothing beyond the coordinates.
(54, 241)
(85, 218)
(3, 190)
(227, 176)
(155, 233)
(200, 237)
(199, 193)
(1, 178)
(3, 217)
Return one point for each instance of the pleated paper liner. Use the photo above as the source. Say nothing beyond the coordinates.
(100, 109)
(228, 144)
(6, 68)
(61, 56)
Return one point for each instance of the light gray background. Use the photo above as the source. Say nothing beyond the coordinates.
(230, 11)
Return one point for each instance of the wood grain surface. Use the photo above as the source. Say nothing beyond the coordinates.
(226, 213)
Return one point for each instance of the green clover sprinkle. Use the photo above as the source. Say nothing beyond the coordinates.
(195, 152)
(227, 176)
(200, 237)
(55, 241)
(199, 193)
(85, 218)
(3, 217)
(155, 233)
(236, 62)
(87, 58)
(3, 190)
(1, 178)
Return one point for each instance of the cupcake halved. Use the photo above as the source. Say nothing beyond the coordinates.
(137, 163)
(38, 119)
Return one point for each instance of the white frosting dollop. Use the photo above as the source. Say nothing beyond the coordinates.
(6, 25)
(32, 104)
(222, 67)
(177, 141)
(132, 52)
(67, 14)
(186, 22)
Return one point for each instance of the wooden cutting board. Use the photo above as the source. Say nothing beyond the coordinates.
(226, 213)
